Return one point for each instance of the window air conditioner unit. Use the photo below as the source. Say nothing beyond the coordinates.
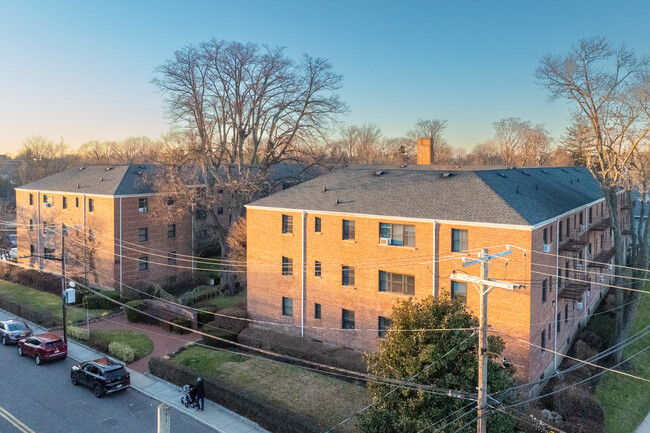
(611, 267)
(143, 209)
(579, 305)
(579, 266)
(584, 227)
(602, 278)
(48, 204)
(546, 248)
(384, 241)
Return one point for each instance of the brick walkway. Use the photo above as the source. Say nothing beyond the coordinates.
(164, 342)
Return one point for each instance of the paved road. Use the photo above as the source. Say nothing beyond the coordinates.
(44, 400)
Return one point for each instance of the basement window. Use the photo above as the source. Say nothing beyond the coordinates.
(347, 319)
(287, 306)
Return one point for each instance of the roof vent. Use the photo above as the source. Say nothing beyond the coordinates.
(109, 168)
(337, 201)
(403, 166)
(324, 188)
(525, 172)
(82, 168)
(139, 173)
(102, 178)
(518, 190)
(544, 171)
(564, 170)
(502, 174)
(78, 186)
(446, 175)
(379, 172)
(142, 167)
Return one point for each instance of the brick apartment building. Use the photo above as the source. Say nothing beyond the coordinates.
(135, 233)
(331, 256)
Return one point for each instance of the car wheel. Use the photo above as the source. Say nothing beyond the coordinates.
(4, 340)
(99, 392)
(38, 360)
(20, 351)
(73, 378)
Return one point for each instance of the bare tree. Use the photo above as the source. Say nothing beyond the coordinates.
(609, 87)
(242, 108)
(508, 137)
(236, 241)
(486, 153)
(433, 129)
(361, 143)
(536, 145)
(39, 157)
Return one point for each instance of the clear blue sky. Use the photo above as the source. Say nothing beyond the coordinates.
(81, 70)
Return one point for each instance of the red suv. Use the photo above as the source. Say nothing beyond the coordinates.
(43, 347)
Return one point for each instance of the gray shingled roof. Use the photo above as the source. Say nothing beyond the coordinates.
(505, 196)
(134, 179)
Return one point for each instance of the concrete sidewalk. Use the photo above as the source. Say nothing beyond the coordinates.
(215, 416)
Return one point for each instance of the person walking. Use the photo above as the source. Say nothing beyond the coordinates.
(200, 394)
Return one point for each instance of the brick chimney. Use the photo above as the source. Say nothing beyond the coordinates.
(425, 151)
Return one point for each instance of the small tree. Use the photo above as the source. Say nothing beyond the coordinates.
(403, 355)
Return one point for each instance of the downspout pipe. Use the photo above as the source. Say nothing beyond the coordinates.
(303, 279)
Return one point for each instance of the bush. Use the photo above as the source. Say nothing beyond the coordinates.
(205, 315)
(227, 328)
(577, 401)
(303, 348)
(182, 321)
(97, 302)
(133, 315)
(121, 351)
(200, 293)
(78, 333)
(31, 278)
(267, 414)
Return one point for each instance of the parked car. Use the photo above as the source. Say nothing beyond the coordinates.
(12, 331)
(43, 347)
(102, 375)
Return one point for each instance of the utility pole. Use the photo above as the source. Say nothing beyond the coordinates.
(63, 285)
(484, 286)
(164, 418)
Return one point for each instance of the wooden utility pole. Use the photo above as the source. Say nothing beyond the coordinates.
(164, 418)
(484, 286)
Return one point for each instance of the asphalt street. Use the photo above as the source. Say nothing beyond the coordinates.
(42, 399)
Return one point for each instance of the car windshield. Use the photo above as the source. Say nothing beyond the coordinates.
(17, 326)
(54, 344)
(115, 374)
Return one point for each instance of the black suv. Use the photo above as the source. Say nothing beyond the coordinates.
(102, 375)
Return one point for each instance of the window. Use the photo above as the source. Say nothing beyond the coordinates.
(550, 336)
(347, 319)
(142, 205)
(76, 201)
(287, 224)
(48, 253)
(458, 240)
(143, 263)
(317, 312)
(317, 225)
(317, 269)
(287, 306)
(543, 340)
(566, 313)
(544, 282)
(551, 236)
(383, 325)
(348, 230)
(170, 201)
(171, 258)
(171, 230)
(396, 283)
(31, 250)
(143, 235)
(347, 275)
(568, 227)
(397, 234)
(545, 236)
(287, 266)
(31, 199)
(459, 291)
(580, 219)
(200, 214)
(559, 322)
(31, 225)
(46, 199)
(91, 205)
(64, 203)
(219, 211)
(560, 231)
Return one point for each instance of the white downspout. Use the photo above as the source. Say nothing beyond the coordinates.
(192, 217)
(304, 274)
(557, 288)
(434, 280)
(38, 230)
(121, 257)
(85, 237)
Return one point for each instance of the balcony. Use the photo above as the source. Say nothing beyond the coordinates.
(572, 290)
(602, 259)
(602, 225)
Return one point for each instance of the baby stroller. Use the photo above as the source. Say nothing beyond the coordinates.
(189, 399)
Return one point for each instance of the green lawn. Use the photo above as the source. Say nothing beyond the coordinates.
(324, 398)
(207, 267)
(37, 300)
(139, 342)
(224, 301)
(626, 401)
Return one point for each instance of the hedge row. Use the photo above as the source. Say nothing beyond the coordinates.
(97, 302)
(303, 348)
(31, 278)
(267, 414)
(200, 293)
(137, 316)
(225, 327)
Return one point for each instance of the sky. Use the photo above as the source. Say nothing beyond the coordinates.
(82, 70)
